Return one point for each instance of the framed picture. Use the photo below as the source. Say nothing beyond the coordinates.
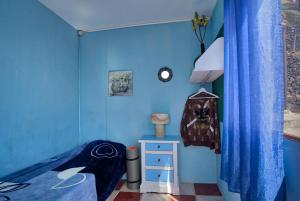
(120, 83)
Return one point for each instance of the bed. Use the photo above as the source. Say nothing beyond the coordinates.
(89, 173)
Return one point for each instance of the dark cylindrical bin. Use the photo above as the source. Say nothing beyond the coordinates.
(133, 168)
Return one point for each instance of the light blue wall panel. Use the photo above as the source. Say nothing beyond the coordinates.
(216, 23)
(38, 85)
(125, 119)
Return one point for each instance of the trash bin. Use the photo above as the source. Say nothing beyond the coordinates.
(133, 168)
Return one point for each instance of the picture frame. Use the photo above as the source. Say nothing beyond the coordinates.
(120, 83)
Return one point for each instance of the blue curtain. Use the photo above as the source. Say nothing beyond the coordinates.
(252, 153)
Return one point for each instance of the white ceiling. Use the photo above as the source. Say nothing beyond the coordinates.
(95, 15)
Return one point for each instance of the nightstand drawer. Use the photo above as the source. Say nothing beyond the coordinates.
(159, 147)
(159, 175)
(159, 160)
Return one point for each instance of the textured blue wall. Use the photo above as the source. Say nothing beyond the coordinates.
(38, 85)
(125, 119)
(292, 169)
(216, 22)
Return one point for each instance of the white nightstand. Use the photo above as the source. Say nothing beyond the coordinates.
(159, 164)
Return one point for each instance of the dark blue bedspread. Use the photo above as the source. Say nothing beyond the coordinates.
(88, 173)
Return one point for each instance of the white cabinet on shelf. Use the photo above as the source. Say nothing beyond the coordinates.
(210, 65)
(159, 164)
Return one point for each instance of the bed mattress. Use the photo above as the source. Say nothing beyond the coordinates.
(89, 172)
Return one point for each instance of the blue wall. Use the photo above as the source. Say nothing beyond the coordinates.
(216, 22)
(125, 119)
(38, 85)
(292, 167)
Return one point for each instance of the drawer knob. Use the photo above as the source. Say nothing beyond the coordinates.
(158, 160)
(158, 175)
(158, 146)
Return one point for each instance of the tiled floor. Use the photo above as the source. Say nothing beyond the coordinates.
(188, 191)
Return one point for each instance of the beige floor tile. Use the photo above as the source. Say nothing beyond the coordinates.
(187, 189)
(155, 197)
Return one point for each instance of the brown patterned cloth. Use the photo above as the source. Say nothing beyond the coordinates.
(199, 124)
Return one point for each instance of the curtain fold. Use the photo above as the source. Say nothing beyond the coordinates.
(252, 153)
